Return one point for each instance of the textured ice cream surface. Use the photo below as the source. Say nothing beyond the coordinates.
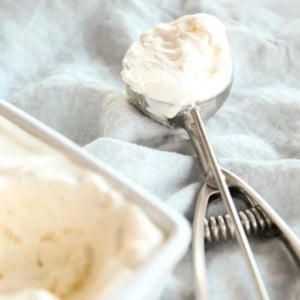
(29, 295)
(180, 63)
(65, 232)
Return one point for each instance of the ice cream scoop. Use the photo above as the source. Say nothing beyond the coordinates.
(208, 93)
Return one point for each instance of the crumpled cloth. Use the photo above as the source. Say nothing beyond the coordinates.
(61, 61)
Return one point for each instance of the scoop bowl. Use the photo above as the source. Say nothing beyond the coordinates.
(151, 107)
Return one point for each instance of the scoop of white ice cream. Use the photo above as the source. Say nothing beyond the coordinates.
(179, 63)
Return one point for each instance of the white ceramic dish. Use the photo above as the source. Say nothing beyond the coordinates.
(148, 281)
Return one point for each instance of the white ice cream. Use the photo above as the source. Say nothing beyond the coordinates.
(29, 295)
(179, 63)
(64, 232)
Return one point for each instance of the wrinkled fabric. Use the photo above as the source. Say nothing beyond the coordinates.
(61, 60)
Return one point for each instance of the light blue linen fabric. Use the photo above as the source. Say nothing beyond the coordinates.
(61, 61)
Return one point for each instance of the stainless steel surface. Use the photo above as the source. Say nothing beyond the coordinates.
(286, 234)
(217, 184)
(254, 219)
(254, 200)
(208, 107)
(222, 187)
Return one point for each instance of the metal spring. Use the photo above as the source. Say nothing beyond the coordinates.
(221, 227)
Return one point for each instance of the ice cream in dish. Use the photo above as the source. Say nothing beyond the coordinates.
(65, 233)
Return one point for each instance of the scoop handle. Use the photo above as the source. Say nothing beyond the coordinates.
(287, 235)
(216, 177)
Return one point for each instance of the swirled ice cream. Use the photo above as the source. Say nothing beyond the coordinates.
(65, 233)
(179, 63)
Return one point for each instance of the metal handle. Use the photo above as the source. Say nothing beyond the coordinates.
(208, 157)
(287, 235)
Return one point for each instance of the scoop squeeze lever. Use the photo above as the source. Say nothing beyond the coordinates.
(211, 189)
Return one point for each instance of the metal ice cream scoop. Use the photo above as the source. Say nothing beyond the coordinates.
(219, 183)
